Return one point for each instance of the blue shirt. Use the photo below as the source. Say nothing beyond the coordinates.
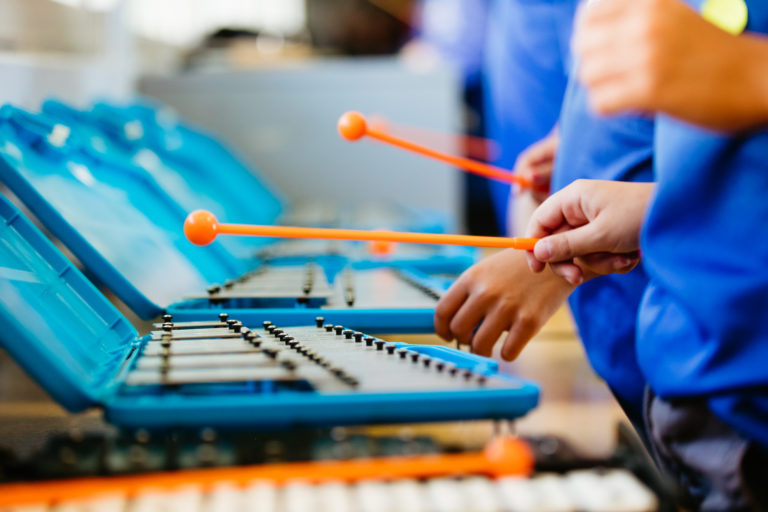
(703, 324)
(527, 59)
(605, 308)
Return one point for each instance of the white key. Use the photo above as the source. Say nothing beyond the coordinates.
(444, 496)
(149, 500)
(408, 496)
(112, 502)
(516, 494)
(69, 506)
(298, 497)
(552, 494)
(373, 496)
(224, 497)
(334, 497)
(588, 491)
(187, 498)
(632, 495)
(260, 496)
(479, 495)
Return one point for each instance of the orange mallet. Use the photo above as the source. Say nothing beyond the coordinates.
(501, 457)
(353, 126)
(201, 228)
(476, 148)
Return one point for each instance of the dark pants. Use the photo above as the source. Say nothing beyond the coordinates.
(715, 468)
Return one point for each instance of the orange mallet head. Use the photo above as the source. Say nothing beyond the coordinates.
(202, 228)
(352, 126)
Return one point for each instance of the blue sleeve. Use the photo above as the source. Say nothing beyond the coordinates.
(605, 308)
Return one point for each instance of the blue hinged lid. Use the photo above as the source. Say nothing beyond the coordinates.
(188, 179)
(114, 218)
(206, 161)
(55, 323)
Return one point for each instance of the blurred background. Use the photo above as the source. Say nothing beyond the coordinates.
(271, 77)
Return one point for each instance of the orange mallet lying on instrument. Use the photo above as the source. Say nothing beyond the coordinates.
(501, 457)
(353, 126)
(201, 228)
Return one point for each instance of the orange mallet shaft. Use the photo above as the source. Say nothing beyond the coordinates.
(477, 148)
(353, 126)
(201, 228)
(501, 457)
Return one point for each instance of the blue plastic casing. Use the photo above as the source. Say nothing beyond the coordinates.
(170, 132)
(56, 324)
(187, 174)
(198, 172)
(127, 232)
(78, 347)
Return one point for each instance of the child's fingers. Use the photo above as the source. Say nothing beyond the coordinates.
(489, 332)
(607, 263)
(535, 265)
(562, 209)
(447, 307)
(571, 272)
(593, 24)
(613, 98)
(570, 244)
(521, 331)
(470, 314)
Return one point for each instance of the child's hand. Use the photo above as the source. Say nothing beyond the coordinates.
(662, 56)
(499, 294)
(536, 163)
(589, 227)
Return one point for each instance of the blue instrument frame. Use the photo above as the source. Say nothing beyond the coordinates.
(79, 348)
